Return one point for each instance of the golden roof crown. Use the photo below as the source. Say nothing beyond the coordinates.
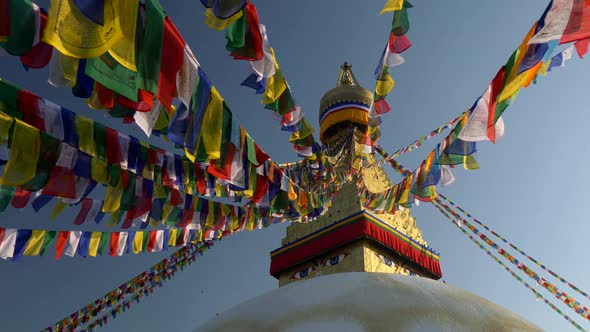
(347, 89)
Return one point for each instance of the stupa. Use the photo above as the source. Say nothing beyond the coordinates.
(355, 270)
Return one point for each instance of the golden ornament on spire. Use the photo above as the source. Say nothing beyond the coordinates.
(346, 105)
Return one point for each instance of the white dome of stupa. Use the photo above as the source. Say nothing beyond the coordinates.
(359, 302)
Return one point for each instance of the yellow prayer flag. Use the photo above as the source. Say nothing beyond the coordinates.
(57, 209)
(94, 101)
(217, 23)
(159, 191)
(94, 243)
(406, 191)
(85, 128)
(99, 170)
(115, 218)
(75, 35)
(275, 86)
(24, 154)
(469, 163)
(113, 196)
(234, 223)
(192, 157)
(210, 223)
(167, 211)
(292, 194)
(69, 68)
(544, 68)
(5, 124)
(35, 243)
(124, 50)
(522, 79)
(172, 239)
(138, 242)
(302, 133)
(392, 5)
(384, 84)
(211, 128)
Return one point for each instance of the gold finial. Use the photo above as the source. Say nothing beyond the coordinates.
(346, 77)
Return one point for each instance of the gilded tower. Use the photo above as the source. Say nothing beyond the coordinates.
(348, 237)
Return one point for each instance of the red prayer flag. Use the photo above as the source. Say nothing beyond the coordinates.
(578, 26)
(40, 55)
(496, 89)
(105, 95)
(172, 58)
(382, 107)
(21, 198)
(114, 244)
(222, 173)
(152, 241)
(175, 198)
(581, 47)
(60, 244)
(28, 104)
(398, 44)
(261, 188)
(62, 183)
(4, 18)
(84, 210)
(261, 156)
(144, 101)
(200, 180)
(114, 155)
(254, 36)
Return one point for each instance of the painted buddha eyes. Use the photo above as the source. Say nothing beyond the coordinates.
(385, 260)
(333, 260)
(328, 261)
(303, 273)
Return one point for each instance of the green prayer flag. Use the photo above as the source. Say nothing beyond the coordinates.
(251, 150)
(22, 28)
(48, 240)
(109, 73)
(157, 174)
(283, 105)
(114, 174)
(225, 135)
(119, 111)
(150, 54)
(173, 219)
(9, 99)
(115, 218)
(401, 23)
(146, 239)
(100, 141)
(48, 156)
(105, 240)
(6, 194)
(235, 34)
(128, 198)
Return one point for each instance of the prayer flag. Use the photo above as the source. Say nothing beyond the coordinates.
(476, 128)
(211, 129)
(24, 154)
(392, 5)
(22, 26)
(8, 242)
(173, 53)
(75, 35)
(72, 244)
(94, 243)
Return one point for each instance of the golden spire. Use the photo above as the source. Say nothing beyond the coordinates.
(346, 77)
(346, 104)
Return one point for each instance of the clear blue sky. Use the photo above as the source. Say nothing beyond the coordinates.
(530, 187)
